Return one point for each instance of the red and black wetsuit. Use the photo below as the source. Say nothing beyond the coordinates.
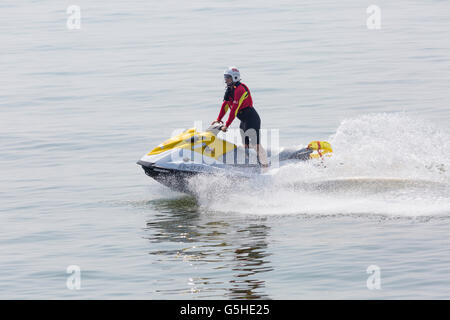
(239, 100)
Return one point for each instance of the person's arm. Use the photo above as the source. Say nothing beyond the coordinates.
(223, 110)
(239, 96)
(227, 101)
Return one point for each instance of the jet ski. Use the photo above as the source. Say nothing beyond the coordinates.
(190, 153)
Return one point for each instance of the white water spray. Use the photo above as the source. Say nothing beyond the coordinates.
(389, 164)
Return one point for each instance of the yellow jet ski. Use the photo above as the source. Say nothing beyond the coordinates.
(191, 152)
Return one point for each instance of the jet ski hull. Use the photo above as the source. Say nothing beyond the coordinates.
(177, 180)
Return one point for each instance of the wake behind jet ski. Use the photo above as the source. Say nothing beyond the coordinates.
(175, 161)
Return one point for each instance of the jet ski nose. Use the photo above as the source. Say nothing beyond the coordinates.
(145, 163)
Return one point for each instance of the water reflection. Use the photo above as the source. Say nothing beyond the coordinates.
(230, 249)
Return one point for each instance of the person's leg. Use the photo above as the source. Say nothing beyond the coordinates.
(243, 128)
(255, 123)
(262, 156)
(250, 127)
(245, 139)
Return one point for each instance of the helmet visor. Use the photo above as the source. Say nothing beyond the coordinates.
(228, 79)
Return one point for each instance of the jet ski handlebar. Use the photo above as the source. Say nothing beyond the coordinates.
(215, 127)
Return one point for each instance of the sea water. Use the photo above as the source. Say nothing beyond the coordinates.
(81, 102)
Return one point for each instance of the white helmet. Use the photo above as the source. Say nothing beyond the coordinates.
(234, 73)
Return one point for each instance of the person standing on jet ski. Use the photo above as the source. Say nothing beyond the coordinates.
(239, 100)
